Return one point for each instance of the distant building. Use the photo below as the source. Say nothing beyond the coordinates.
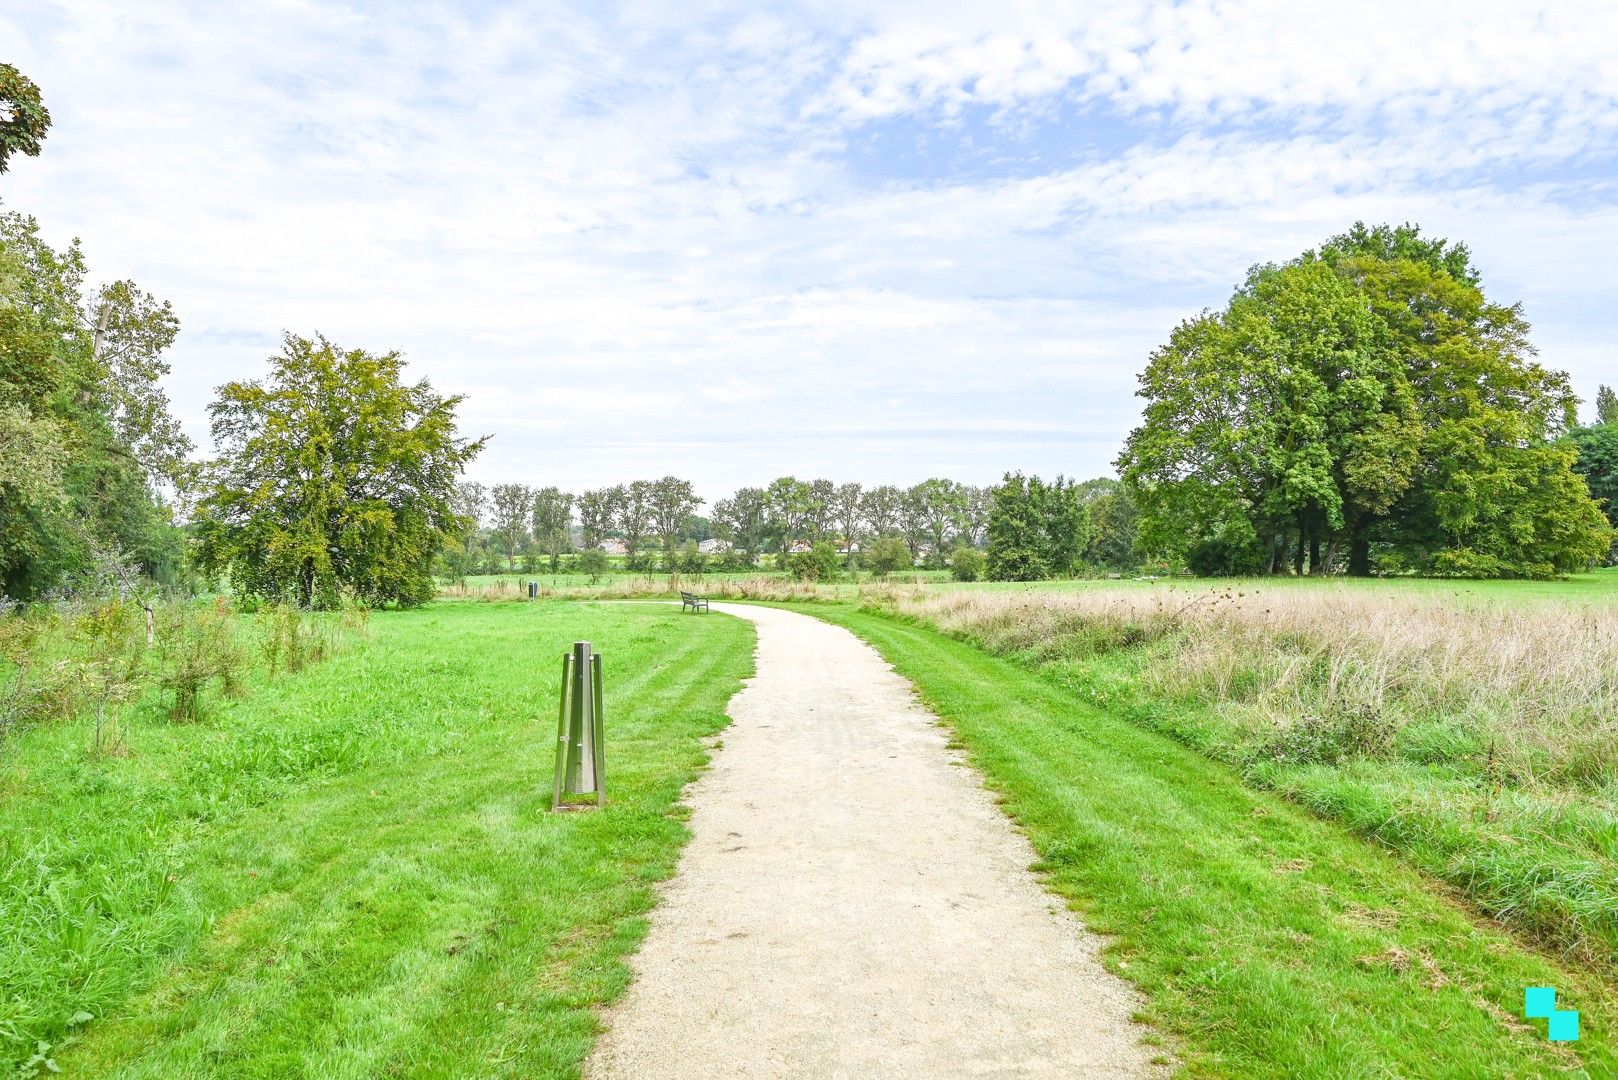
(714, 546)
(798, 547)
(614, 547)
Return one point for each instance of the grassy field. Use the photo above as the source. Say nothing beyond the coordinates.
(1271, 943)
(351, 872)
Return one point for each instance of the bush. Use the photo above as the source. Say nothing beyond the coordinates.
(885, 555)
(819, 563)
(592, 562)
(198, 651)
(1227, 556)
(967, 563)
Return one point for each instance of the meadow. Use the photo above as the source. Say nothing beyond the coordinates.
(351, 870)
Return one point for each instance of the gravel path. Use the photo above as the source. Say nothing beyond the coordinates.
(852, 904)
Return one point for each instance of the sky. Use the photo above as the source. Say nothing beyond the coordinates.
(864, 241)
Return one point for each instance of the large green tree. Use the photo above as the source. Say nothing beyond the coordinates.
(335, 478)
(86, 436)
(1365, 394)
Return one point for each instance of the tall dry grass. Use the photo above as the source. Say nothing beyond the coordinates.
(1530, 694)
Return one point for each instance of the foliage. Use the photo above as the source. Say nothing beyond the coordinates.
(886, 554)
(1597, 462)
(86, 439)
(23, 116)
(1036, 530)
(1606, 405)
(820, 563)
(511, 508)
(200, 654)
(553, 516)
(1366, 393)
(335, 478)
(1112, 518)
(673, 501)
(592, 561)
(967, 563)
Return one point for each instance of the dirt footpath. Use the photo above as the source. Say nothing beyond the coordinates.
(852, 904)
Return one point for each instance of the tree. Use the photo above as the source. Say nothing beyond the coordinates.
(1066, 525)
(967, 563)
(822, 514)
(880, 508)
(886, 554)
(553, 521)
(512, 507)
(672, 501)
(1111, 514)
(791, 508)
(1365, 394)
(1597, 463)
(471, 506)
(24, 120)
(845, 509)
(978, 501)
(941, 505)
(597, 509)
(913, 518)
(87, 436)
(334, 478)
(743, 519)
(1017, 543)
(1606, 405)
(632, 508)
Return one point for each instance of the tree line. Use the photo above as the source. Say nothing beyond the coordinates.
(1363, 408)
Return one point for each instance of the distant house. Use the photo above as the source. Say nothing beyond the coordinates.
(798, 547)
(714, 546)
(614, 547)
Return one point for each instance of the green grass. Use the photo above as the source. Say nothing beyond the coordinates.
(1271, 943)
(352, 872)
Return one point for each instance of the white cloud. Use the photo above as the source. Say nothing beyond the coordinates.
(642, 240)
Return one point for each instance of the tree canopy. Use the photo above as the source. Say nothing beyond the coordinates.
(23, 116)
(334, 479)
(1366, 397)
(87, 443)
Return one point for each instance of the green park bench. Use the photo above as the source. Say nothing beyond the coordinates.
(693, 601)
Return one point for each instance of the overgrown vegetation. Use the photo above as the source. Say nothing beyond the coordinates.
(1479, 740)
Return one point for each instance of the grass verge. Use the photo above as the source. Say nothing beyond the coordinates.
(351, 872)
(1271, 943)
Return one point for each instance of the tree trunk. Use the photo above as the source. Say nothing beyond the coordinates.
(1329, 563)
(1297, 551)
(1314, 555)
(1359, 551)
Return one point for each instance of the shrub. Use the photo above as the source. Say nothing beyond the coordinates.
(197, 651)
(819, 563)
(967, 563)
(885, 555)
(592, 562)
(1227, 556)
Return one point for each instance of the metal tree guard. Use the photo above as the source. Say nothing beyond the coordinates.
(581, 764)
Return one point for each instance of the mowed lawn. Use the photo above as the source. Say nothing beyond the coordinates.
(1270, 942)
(352, 871)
